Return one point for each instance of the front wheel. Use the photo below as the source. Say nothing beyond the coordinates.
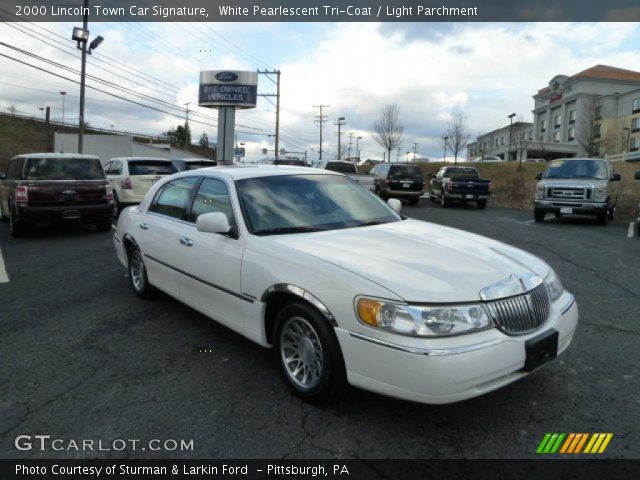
(482, 204)
(414, 201)
(309, 355)
(603, 218)
(538, 215)
(16, 227)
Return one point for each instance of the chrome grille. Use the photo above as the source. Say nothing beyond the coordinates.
(522, 313)
(568, 193)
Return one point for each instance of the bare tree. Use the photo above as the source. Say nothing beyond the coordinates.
(520, 142)
(12, 109)
(614, 139)
(588, 133)
(457, 135)
(388, 129)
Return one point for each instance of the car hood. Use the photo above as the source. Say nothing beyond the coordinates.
(551, 182)
(418, 261)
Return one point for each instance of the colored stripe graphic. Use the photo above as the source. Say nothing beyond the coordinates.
(573, 443)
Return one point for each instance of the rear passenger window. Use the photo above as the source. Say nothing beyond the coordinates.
(173, 197)
(150, 167)
(212, 196)
(14, 171)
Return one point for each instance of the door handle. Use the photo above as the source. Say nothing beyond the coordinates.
(186, 241)
(144, 226)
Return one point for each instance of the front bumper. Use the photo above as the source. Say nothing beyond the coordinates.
(402, 193)
(446, 370)
(578, 208)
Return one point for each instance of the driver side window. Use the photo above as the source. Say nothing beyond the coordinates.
(212, 196)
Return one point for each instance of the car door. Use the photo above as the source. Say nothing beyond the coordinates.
(211, 261)
(158, 234)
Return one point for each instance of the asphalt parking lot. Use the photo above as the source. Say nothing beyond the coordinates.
(83, 358)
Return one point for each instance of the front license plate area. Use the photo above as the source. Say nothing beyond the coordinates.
(541, 349)
(566, 210)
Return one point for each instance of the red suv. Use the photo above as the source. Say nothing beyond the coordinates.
(55, 188)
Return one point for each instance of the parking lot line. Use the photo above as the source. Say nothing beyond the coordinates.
(4, 278)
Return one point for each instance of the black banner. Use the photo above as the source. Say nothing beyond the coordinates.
(320, 10)
(331, 469)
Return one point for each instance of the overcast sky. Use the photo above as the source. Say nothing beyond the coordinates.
(486, 70)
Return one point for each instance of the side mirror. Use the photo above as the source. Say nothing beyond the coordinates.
(615, 177)
(395, 204)
(637, 175)
(215, 222)
(539, 176)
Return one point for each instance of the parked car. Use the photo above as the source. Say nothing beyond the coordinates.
(55, 188)
(347, 168)
(632, 157)
(132, 177)
(576, 186)
(461, 184)
(183, 164)
(534, 160)
(283, 161)
(344, 288)
(491, 159)
(398, 180)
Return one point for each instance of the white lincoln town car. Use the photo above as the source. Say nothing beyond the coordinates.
(344, 288)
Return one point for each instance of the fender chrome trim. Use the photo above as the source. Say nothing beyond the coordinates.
(302, 293)
(435, 352)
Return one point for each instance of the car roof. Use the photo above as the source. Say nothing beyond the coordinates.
(139, 159)
(194, 159)
(239, 172)
(57, 155)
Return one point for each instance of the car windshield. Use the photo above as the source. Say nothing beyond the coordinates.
(307, 203)
(577, 169)
(151, 167)
(63, 169)
(404, 171)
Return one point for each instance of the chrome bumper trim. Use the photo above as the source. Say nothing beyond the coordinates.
(436, 352)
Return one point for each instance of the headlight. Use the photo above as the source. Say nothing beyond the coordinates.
(422, 321)
(539, 192)
(600, 195)
(554, 284)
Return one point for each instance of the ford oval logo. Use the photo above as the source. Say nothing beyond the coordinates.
(226, 76)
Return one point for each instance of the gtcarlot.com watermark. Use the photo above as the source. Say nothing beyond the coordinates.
(47, 443)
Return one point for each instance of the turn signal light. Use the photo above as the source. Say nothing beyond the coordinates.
(368, 311)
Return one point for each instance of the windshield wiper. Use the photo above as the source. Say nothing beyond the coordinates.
(284, 230)
(369, 224)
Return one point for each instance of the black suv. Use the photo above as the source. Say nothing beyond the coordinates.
(398, 180)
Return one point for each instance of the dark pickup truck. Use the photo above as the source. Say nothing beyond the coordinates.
(55, 188)
(462, 184)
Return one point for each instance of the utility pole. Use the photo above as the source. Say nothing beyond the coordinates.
(83, 71)
(277, 104)
(186, 128)
(350, 134)
(321, 120)
(510, 117)
(444, 154)
(415, 150)
(339, 124)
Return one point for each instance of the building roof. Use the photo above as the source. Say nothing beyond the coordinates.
(515, 126)
(604, 72)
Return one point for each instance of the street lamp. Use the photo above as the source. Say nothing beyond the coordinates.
(81, 37)
(357, 149)
(64, 95)
(407, 157)
(444, 154)
(510, 130)
(42, 110)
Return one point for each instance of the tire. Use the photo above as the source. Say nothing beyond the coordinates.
(414, 201)
(602, 218)
(557, 214)
(611, 214)
(481, 204)
(444, 203)
(538, 215)
(116, 206)
(16, 227)
(3, 218)
(103, 226)
(302, 335)
(138, 275)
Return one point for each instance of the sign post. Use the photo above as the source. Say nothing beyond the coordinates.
(227, 90)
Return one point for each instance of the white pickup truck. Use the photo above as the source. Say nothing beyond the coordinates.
(347, 168)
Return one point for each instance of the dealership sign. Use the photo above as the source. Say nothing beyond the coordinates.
(225, 88)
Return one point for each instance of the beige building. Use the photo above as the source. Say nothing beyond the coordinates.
(595, 112)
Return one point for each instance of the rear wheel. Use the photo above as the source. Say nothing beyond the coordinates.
(138, 275)
(443, 200)
(3, 217)
(16, 227)
(116, 206)
(538, 215)
(103, 226)
(414, 201)
(309, 354)
(482, 204)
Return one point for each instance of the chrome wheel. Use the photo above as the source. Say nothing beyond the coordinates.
(137, 272)
(301, 352)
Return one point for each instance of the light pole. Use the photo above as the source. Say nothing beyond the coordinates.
(339, 124)
(42, 110)
(510, 131)
(64, 95)
(81, 36)
(357, 149)
(444, 154)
